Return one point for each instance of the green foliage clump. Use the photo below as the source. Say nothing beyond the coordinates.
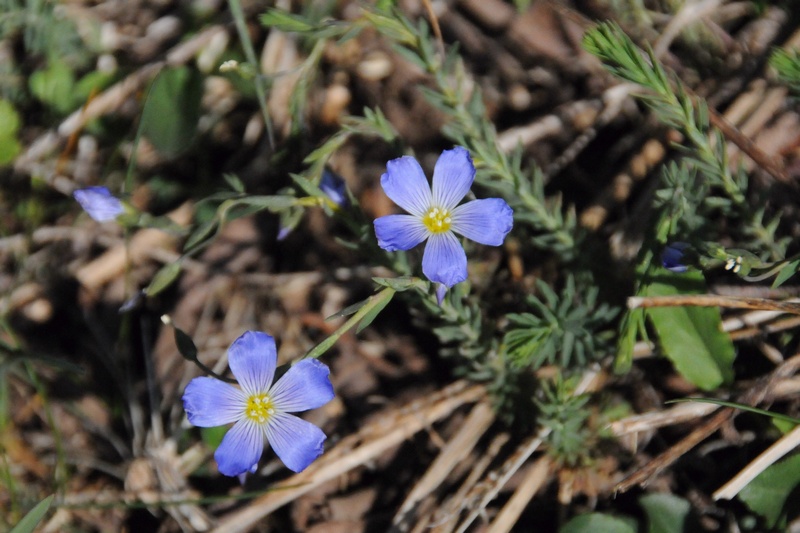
(46, 34)
(562, 327)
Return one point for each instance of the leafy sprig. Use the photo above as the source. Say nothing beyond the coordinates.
(566, 415)
(677, 108)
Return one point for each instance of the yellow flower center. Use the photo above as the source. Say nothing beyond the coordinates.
(259, 408)
(437, 220)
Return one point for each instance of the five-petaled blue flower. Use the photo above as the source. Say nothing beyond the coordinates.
(259, 408)
(435, 215)
(99, 203)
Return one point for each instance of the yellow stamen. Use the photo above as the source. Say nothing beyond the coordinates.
(259, 408)
(437, 220)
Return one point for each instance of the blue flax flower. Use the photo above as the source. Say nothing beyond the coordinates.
(436, 216)
(99, 203)
(259, 408)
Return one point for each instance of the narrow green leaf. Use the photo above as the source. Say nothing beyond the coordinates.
(163, 278)
(349, 310)
(393, 27)
(280, 19)
(201, 233)
(666, 513)
(234, 182)
(34, 516)
(769, 493)
(691, 337)
(631, 324)
(365, 312)
(597, 523)
(260, 203)
(307, 185)
(172, 109)
(415, 60)
(403, 283)
(218, 197)
(373, 313)
(786, 272)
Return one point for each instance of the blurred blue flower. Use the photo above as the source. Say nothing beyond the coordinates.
(99, 203)
(436, 216)
(259, 408)
(672, 257)
(334, 186)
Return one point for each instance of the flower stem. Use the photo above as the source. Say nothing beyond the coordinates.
(374, 304)
(244, 36)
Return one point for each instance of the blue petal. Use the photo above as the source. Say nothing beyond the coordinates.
(304, 386)
(452, 177)
(240, 449)
(99, 203)
(295, 441)
(405, 183)
(210, 402)
(486, 221)
(399, 232)
(444, 260)
(253, 358)
(243, 476)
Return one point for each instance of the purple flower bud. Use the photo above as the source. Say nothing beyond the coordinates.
(672, 257)
(334, 186)
(283, 232)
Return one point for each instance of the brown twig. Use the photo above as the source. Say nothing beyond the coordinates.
(711, 300)
(437, 31)
(651, 469)
(748, 146)
(752, 397)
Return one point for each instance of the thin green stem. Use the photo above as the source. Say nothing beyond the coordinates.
(249, 52)
(374, 304)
